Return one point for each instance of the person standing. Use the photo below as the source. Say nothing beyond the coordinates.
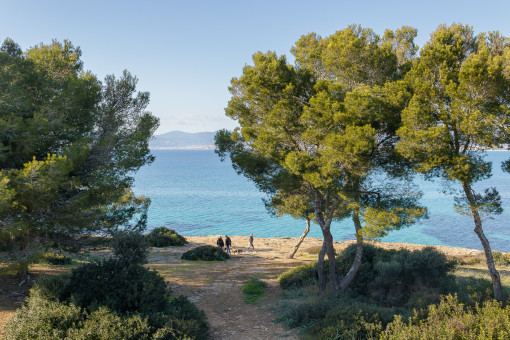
(250, 239)
(220, 242)
(228, 243)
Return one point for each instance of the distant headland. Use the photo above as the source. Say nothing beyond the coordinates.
(178, 140)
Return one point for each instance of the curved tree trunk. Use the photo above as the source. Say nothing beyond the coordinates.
(330, 250)
(301, 239)
(320, 268)
(327, 245)
(496, 281)
(347, 279)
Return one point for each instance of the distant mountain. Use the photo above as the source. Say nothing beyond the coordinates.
(183, 140)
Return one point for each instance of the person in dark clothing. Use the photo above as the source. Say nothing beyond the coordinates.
(228, 243)
(220, 242)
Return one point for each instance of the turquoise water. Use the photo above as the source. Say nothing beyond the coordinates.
(196, 194)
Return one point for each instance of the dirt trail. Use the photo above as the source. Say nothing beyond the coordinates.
(216, 287)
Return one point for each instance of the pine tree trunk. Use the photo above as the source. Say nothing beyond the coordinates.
(320, 268)
(328, 245)
(347, 279)
(330, 250)
(301, 239)
(496, 281)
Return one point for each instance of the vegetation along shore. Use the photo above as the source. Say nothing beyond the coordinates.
(216, 287)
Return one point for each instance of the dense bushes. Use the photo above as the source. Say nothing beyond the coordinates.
(453, 320)
(186, 318)
(43, 318)
(335, 317)
(205, 253)
(388, 282)
(389, 277)
(122, 287)
(165, 237)
(111, 299)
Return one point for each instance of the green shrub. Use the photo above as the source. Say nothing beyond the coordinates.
(205, 253)
(472, 290)
(253, 290)
(186, 318)
(111, 299)
(299, 276)
(405, 274)
(389, 277)
(103, 324)
(130, 246)
(165, 237)
(452, 320)
(53, 288)
(120, 286)
(334, 317)
(41, 318)
(57, 259)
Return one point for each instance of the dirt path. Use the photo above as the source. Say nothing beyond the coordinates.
(216, 287)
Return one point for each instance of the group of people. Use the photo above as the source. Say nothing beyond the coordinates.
(228, 243)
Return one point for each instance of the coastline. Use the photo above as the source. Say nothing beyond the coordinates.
(287, 243)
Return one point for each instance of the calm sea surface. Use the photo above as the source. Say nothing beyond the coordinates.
(195, 193)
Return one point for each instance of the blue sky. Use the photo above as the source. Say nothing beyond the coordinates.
(185, 52)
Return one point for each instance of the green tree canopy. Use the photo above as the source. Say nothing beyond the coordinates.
(459, 107)
(318, 136)
(69, 144)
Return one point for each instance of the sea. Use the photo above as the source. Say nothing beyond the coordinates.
(195, 193)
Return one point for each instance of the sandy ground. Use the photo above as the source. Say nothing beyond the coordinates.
(216, 287)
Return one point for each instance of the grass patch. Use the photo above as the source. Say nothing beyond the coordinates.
(253, 290)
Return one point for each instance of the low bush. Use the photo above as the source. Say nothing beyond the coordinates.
(165, 237)
(112, 299)
(186, 318)
(120, 286)
(472, 290)
(390, 277)
(335, 317)
(130, 246)
(299, 276)
(41, 318)
(253, 290)
(57, 259)
(205, 253)
(104, 324)
(53, 288)
(452, 320)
